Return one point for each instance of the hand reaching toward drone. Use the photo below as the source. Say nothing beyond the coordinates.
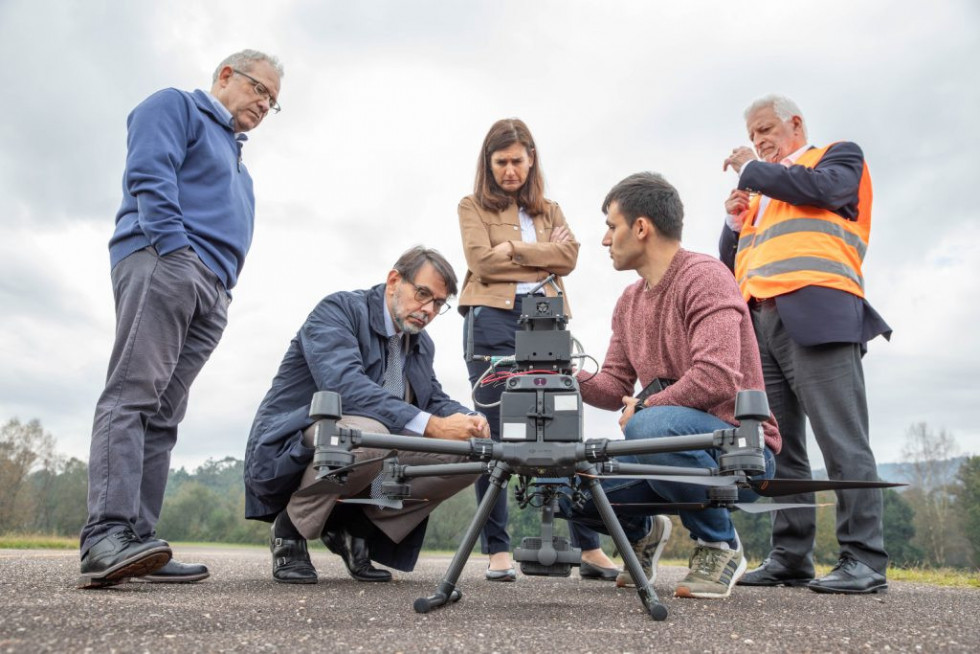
(457, 427)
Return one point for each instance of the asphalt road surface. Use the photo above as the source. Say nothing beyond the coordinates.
(241, 609)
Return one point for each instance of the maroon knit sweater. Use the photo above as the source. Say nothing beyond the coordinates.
(693, 326)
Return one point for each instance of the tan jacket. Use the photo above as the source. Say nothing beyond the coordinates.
(493, 272)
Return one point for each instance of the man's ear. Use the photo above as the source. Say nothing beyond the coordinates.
(393, 278)
(642, 227)
(225, 74)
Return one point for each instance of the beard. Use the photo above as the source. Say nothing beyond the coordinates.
(401, 319)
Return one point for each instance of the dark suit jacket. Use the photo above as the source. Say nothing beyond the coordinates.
(341, 347)
(815, 315)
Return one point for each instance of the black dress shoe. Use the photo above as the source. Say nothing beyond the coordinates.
(774, 573)
(852, 577)
(119, 556)
(356, 555)
(291, 561)
(588, 571)
(176, 572)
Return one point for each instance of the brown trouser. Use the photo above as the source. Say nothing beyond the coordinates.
(310, 513)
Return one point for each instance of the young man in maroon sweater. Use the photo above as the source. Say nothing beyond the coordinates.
(683, 327)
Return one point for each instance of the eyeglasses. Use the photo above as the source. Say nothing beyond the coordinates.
(423, 296)
(261, 90)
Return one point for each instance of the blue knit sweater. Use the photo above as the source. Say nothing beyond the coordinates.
(185, 184)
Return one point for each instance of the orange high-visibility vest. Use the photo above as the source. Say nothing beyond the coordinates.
(790, 247)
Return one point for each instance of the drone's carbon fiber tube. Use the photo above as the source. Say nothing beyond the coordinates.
(418, 443)
(663, 444)
(443, 469)
(620, 468)
(446, 591)
(647, 595)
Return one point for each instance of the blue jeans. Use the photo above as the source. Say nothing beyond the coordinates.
(711, 525)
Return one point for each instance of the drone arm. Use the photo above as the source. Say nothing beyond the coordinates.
(442, 469)
(662, 445)
(477, 448)
(618, 468)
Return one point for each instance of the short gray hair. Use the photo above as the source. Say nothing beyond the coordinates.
(781, 105)
(244, 61)
(412, 260)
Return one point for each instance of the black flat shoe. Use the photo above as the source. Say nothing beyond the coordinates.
(587, 570)
(510, 574)
(774, 573)
(119, 556)
(356, 555)
(850, 577)
(291, 560)
(176, 572)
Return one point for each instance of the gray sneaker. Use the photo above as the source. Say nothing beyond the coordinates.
(648, 550)
(713, 572)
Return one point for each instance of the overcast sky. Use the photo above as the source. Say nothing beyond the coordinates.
(385, 105)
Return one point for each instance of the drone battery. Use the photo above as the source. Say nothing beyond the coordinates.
(529, 552)
(541, 407)
(544, 350)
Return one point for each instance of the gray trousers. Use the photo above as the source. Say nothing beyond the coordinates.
(824, 383)
(170, 314)
(309, 514)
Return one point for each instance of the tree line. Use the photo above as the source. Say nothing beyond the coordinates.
(935, 521)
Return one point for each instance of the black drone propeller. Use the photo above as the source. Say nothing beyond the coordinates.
(777, 487)
(646, 508)
(334, 483)
(383, 502)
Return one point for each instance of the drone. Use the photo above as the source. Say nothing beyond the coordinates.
(542, 445)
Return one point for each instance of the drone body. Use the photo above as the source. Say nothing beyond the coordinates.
(542, 440)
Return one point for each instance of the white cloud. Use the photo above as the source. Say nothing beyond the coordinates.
(386, 104)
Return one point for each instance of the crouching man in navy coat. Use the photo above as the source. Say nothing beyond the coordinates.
(370, 347)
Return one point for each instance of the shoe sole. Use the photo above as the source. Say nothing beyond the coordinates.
(373, 581)
(687, 593)
(171, 579)
(789, 583)
(655, 559)
(836, 591)
(139, 565)
(501, 575)
(296, 581)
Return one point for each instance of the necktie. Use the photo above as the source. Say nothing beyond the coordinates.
(394, 382)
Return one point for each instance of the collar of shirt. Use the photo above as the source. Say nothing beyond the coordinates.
(791, 159)
(389, 323)
(226, 116)
(786, 161)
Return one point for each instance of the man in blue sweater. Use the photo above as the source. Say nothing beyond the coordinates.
(182, 233)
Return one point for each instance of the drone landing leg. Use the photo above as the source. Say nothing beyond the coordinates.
(446, 591)
(647, 595)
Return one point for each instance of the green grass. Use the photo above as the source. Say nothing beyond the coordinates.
(937, 576)
(46, 542)
(37, 542)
